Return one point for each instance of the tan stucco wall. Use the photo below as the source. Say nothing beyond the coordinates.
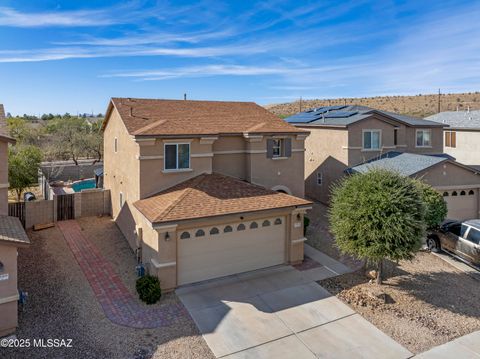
(271, 173)
(3, 178)
(357, 155)
(437, 141)
(154, 179)
(230, 156)
(468, 147)
(121, 172)
(8, 289)
(448, 175)
(326, 153)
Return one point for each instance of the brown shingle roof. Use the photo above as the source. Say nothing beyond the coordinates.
(11, 231)
(210, 195)
(150, 117)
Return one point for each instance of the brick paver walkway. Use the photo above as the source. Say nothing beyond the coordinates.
(119, 305)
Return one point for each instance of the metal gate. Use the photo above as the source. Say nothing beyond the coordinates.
(17, 209)
(65, 207)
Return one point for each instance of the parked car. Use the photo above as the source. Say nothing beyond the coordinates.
(460, 238)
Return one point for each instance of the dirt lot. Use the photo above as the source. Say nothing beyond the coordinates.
(423, 303)
(61, 304)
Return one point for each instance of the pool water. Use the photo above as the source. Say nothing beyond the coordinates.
(81, 185)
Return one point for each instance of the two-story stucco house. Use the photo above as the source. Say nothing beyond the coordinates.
(203, 189)
(348, 139)
(461, 139)
(12, 236)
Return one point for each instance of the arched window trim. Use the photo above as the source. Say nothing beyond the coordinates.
(241, 227)
(200, 233)
(266, 223)
(214, 231)
(454, 193)
(253, 225)
(277, 221)
(463, 193)
(228, 229)
(471, 192)
(185, 235)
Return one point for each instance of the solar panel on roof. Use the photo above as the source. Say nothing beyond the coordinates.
(334, 108)
(340, 114)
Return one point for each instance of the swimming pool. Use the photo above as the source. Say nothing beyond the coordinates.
(85, 184)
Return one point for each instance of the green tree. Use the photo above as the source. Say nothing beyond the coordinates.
(23, 165)
(377, 215)
(435, 206)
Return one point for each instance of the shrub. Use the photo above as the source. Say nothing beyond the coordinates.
(377, 215)
(148, 289)
(435, 206)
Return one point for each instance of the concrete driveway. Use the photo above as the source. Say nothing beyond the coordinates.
(281, 312)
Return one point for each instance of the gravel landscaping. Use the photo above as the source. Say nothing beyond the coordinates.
(62, 305)
(423, 303)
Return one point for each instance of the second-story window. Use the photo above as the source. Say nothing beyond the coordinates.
(371, 139)
(177, 156)
(450, 139)
(277, 146)
(424, 138)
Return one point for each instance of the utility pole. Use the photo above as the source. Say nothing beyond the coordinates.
(300, 104)
(439, 100)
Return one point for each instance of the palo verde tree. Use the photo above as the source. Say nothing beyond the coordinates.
(435, 206)
(23, 165)
(377, 215)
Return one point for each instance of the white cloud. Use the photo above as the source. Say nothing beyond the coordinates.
(13, 18)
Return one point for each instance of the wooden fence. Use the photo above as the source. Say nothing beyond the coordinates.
(17, 209)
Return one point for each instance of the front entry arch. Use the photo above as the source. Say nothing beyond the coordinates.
(283, 189)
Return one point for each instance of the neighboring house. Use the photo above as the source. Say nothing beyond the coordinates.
(343, 138)
(462, 138)
(12, 236)
(196, 186)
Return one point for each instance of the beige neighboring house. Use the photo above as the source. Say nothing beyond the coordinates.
(12, 236)
(462, 138)
(349, 139)
(204, 189)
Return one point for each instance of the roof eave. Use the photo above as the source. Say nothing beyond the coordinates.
(171, 222)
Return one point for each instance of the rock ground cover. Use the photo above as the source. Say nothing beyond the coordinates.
(61, 303)
(423, 303)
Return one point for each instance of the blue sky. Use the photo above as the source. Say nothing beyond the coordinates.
(58, 56)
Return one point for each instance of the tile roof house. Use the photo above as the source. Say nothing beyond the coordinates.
(12, 236)
(349, 139)
(203, 189)
(461, 139)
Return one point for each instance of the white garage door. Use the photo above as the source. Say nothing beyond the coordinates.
(462, 204)
(211, 252)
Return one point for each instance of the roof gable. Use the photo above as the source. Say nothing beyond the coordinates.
(151, 117)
